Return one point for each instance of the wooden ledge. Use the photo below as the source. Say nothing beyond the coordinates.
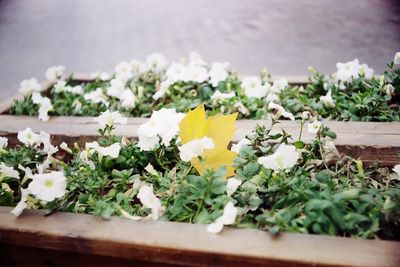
(187, 244)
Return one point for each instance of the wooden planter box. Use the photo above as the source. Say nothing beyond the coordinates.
(65, 239)
(62, 239)
(369, 141)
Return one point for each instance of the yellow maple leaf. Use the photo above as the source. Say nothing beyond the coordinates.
(220, 128)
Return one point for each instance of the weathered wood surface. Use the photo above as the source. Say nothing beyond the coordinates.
(369, 141)
(89, 239)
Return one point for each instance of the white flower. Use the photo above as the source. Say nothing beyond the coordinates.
(280, 111)
(348, 71)
(102, 76)
(253, 88)
(29, 86)
(177, 72)
(128, 99)
(3, 142)
(195, 59)
(150, 169)
(389, 89)
(110, 118)
(218, 73)
(278, 86)
(228, 217)
(236, 147)
(61, 86)
(27, 170)
(396, 59)
(156, 63)
(284, 158)
(271, 97)
(137, 68)
(197, 73)
(222, 96)
(28, 137)
(117, 88)
(96, 96)
(65, 147)
(396, 169)
(6, 171)
(22, 203)
(123, 71)
(232, 185)
(48, 186)
(327, 100)
(84, 156)
(313, 127)
(111, 151)
(164, 86)
(44, 138)
(150, 201)
(77, 105)
(162, 124)
(44, 105)
(241, 108)
(54, 73)
(195, 148)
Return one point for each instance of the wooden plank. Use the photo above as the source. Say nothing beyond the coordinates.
(188, 244)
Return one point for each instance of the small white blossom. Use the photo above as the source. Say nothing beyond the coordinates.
(6, 171)
(327, 100)
(241, 108)
(195, 148)
(396, 59)
(218, 73)
(123, 71)
(22, 203)
(284, 158)
(110, 118)
(348, 71)
(222, 96)
(197, 73)
(150, 201)
(54, 73)
(29, 86)
(111, 150)
(236, 147)
(117, 88)
(162, 124)
(389, 89)
(44, 138)
(253, 87)
(313, 127)
(28, 137)
(232, 185)
(3, 142)
(44, 105)
(177, 72)
(48, 186)
(278, 86)
(84, 156)
(102, 76)
(164, 86)
(195, 59)
(26, 170)
(271, 97)
(396, 169)
(97, 96)
(156, 63)
(65, 147)
(280, 111)
(228, 217)
(128, 99)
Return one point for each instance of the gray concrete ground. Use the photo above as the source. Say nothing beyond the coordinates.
(283, 36)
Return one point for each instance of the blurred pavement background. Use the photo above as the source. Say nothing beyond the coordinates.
(285, 36)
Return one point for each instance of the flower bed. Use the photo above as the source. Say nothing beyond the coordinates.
(138, 88)
(181, 169)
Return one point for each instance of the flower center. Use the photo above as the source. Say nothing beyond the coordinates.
(48, 183)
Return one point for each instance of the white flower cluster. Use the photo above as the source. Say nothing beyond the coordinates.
(348, 71)
(163, 126)
(45, 186)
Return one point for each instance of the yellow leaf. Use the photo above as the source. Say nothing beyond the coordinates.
(215, 159)
(193, 125)
(221, 129)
